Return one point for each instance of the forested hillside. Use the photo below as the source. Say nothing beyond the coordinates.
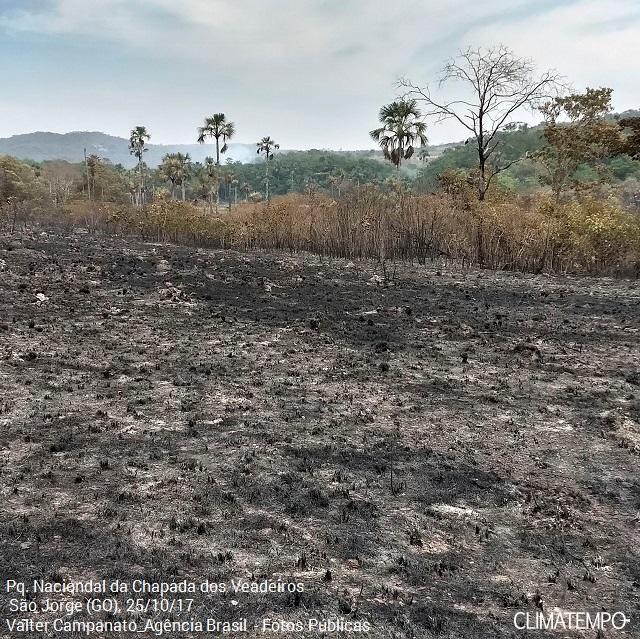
(520, 141)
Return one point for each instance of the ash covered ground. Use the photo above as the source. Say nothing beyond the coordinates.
(431, 452)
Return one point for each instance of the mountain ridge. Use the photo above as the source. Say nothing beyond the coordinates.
(40, 146)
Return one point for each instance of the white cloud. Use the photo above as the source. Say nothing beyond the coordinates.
(314, 72)
(593, 43)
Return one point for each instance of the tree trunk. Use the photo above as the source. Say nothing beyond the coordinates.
(15, 217)
(480, 243)
(482, 158)
(86, 168)
(141, 187)
(267, 177)
(482, 186)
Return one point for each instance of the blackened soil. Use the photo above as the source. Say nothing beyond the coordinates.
(431, 452)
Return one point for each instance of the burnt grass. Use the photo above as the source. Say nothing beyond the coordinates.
(432, 452)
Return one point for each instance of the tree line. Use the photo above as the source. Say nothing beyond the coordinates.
(177, 168)
(578, 145)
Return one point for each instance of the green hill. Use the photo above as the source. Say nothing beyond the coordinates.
(41, 146)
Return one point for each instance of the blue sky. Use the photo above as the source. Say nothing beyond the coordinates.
(310, 73)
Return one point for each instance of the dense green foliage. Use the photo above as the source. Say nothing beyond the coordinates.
(300, 171)
(18, 181)
(304, 171)
(516, 143)
(524, 175)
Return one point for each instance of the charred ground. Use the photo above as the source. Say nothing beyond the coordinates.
(431, 451)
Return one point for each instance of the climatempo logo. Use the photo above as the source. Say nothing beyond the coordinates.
(570, 620)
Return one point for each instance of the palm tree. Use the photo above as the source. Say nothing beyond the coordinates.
(212, 175)
(183, 162)
(176, 167)
(267, 146)
(229, 179)
(218, 128)
(137, 142)
(401, 127)
(168, 171)
(245, 189)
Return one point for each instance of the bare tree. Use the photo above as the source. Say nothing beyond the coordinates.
(496, 86)
(61, 177)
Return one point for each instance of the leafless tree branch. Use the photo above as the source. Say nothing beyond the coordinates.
(500, 84)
